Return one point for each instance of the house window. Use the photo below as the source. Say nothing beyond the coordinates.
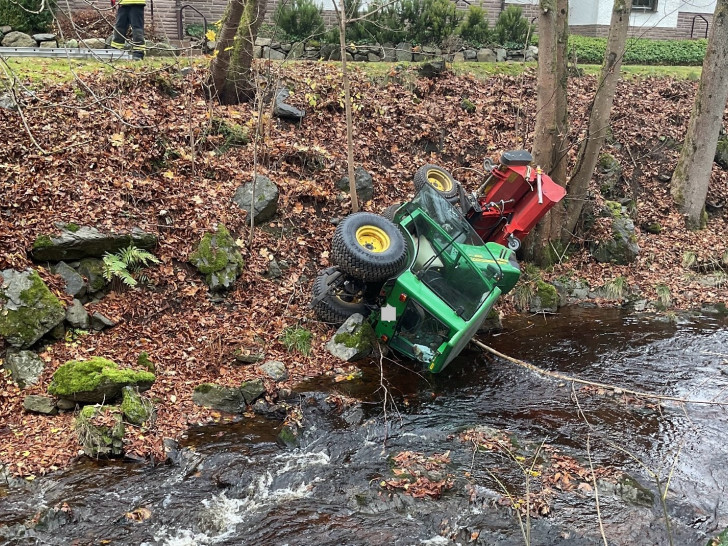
(644, 5)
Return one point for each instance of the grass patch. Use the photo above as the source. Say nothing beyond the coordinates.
(297, 339)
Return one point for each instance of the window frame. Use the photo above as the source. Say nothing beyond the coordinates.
(651, 7)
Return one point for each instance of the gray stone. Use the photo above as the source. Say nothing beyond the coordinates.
(492, 323)
(500, 55)
(93, 270)
(273, 54)
(389, 53)
(77, 316)
(629, 490)
(610, 174)
(252, 390)
(101, 322)
(48, 45)
(354, 340)
(28, 309)
(75, 242)
(373, 58)
(44, 37)
(257, 52)
(360, 57)
(275, 370)
(431, 52)
(432, 69)
(470, 54)
(621, 248)
(289, 437)
(75, 285)
(336, 55)
(17, 39)
(327, 50)
(274, 270)
(266, 198)
(262, 41)
(7, 102)
(485, 55)
(25, 367)
(285, 111)
(72, 43)
(458, 57)
(64, 404)
(248, 357)
(364, 184)
(721, 153)
(403, 52)
(227, 399)
(296, 51)
(93, 43)
(5, 29)
(44, 405)
(160, 49)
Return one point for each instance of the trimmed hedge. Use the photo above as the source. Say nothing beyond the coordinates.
(640, 51)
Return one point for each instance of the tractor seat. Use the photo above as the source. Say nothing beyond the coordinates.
(516, 158)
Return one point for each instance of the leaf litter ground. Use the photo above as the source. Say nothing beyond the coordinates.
(121, 156)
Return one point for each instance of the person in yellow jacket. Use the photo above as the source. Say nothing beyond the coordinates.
(129, 13)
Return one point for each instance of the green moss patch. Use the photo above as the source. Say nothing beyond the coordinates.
(100, 431)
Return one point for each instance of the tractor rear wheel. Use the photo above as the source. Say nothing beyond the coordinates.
(369, 247)
(341, 298)
(438, 178)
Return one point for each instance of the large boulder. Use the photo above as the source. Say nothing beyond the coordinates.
(364, 184)
(403, 52)
(218, 259)
(621, 248)
(265, 204)
(18, 39)
(96, 381)
(100, 431)
(25, 367)
(284, 110)
(354, 340)
(28, 309)
(7, 102)
(252, 390)
(75, 242)
(217, 397)
(486, 55)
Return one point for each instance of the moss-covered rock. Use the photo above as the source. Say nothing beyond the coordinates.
(622, 248)
(95, 381)
(136, 409)
(93, 270)
(28, 309)
(721, 153)
(354, 340)
(100, 431)
(218, 259)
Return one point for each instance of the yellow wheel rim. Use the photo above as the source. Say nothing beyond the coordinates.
(439, 181)
(372, 238)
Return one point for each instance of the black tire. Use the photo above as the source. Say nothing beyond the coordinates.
(337, 304)
(438, 178)
(368, 247)
(390, 211)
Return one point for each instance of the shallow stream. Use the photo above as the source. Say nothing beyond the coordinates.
(233, 484)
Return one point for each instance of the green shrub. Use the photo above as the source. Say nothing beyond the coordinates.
(429, 21)
(640, 51)
(475, 28)
(21, 16)
(300, 19)
(511, 28)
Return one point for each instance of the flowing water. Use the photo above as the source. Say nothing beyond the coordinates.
(233, 484)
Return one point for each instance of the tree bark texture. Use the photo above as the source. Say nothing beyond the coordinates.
(689, 185)
(551, 130)
(230, 71)
(347, 108)
(599, 114)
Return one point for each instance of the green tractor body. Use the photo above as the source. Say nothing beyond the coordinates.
(431, 309)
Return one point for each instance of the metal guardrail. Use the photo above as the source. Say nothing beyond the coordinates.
(692, 27)
(66, 53)
(180, 21)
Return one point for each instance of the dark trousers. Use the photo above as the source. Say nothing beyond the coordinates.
(130, 16)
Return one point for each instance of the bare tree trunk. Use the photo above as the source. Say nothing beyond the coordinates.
(689, 186)
(549, 149)
(599, 113)
(230, 68)
(347, 108)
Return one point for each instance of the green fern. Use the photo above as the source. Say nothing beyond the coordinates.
(126, 263)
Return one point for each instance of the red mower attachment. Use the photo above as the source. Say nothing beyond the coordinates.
(514, 197)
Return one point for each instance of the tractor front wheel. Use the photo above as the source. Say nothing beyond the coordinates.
(369, 247)
(337, 299)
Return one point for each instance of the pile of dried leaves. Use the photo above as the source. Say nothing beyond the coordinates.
(420, 475)
(135, 148)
